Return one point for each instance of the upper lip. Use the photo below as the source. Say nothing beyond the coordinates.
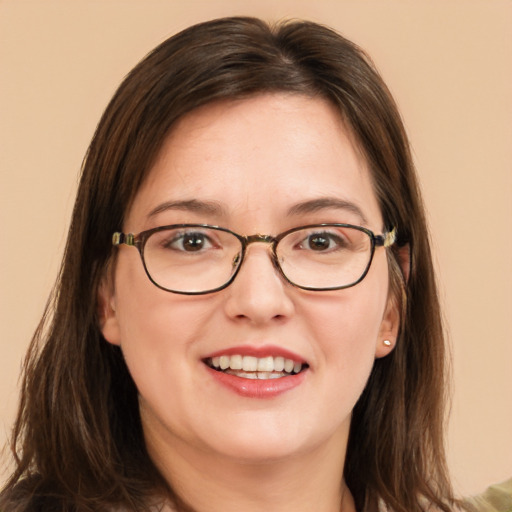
(258, 351)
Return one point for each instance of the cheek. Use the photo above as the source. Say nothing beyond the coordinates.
(349, 323)
(156, 327)
(346, 326)
(154, 331)
(347, 351)
(158, 341)
(145, 312)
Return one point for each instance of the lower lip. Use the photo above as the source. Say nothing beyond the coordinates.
(257, 388)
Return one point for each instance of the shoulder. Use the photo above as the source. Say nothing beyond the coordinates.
(497, 498)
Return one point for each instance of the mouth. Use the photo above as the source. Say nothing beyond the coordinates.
(256, 368)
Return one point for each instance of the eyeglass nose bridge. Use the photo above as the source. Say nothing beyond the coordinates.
(266, 239)
(251, 239)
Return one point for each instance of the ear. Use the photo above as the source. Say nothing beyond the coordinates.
(107, 314)
(389, 327)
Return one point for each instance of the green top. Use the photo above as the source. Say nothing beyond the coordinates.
(497, 498)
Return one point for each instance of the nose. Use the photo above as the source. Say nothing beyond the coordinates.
(259, 293)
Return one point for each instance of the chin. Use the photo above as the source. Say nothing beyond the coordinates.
(261, 441)
(260, 451)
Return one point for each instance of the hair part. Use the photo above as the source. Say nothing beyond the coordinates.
(78, 441)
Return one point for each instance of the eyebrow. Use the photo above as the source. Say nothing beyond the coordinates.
(190, 205)
(323, 203)
(302, 208)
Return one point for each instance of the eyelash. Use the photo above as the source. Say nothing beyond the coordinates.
(177, 237)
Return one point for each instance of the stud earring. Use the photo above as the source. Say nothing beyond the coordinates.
(387, 343)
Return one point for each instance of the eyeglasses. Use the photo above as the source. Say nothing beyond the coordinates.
(194, 259)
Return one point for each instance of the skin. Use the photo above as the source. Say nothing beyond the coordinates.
(256, 158)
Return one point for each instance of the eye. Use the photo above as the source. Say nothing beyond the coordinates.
(323, 242)
(189, 242)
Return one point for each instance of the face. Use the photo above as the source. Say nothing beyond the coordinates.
(247, 165)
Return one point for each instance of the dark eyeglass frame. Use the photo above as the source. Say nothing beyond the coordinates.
(386, 239)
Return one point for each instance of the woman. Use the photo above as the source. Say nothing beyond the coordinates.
(246, 316)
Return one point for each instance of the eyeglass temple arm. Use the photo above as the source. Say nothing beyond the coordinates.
(119, 238)
(387, 239)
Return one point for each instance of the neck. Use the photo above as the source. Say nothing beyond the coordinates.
(209, 482)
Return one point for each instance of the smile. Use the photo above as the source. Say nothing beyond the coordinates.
(250, 367)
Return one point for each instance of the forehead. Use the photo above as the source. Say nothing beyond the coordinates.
(258, 156)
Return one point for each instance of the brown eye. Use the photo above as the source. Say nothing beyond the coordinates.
(193, 242)
(318, 242)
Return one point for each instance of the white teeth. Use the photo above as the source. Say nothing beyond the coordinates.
(266, 364)
(249, 375)
(253, 367)
(278, 364)
(224, 362)
(250, 364)
(236, 362)
(288, 365)
(257, 375)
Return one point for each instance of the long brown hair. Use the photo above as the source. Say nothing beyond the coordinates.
(77, 441)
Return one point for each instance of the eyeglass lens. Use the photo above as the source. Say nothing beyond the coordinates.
(197, 259)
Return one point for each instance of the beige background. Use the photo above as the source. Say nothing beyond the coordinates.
(449, 64)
